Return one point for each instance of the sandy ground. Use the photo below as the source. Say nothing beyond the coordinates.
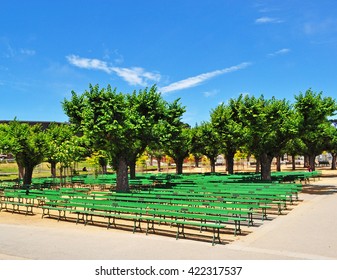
(307, 231)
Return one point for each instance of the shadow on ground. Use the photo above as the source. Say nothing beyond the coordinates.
(319, 189)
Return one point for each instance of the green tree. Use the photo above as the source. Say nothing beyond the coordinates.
(56, 134)
(120, 124)
(155, 151)
(27, 144)
(268, 125)
(196, 144)
(178, 147)
(68, 152)
(148, 108)
(293, 148)
(211, 143)
(230, 131)
(314, 110)
(332, 142)
(174, 135)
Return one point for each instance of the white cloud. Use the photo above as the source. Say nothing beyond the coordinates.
(136, 75)
(211, 93)
(27, 52)
(8, 51)
(326, 26)
(88, 63)
(133, 75)
(263, 20)
(279, 52)
(196, 80)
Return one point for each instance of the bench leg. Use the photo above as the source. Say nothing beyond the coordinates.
(250, 219)
(216, 235)
(78, 218)
(182, 231)
(62, 216)
(148, 227)
(237, 227)
(87, 219)
(264, 214)
(44, 213)
(109, 222)
(27, 209)
(203, 227)
(285, 205)
(1, 207)
(136, 224)
(17, 208)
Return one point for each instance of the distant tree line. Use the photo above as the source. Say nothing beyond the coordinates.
(119, 127)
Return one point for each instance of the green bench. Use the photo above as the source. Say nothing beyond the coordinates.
(86, 210)
(14, 201)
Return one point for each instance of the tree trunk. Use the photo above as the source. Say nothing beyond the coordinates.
(333, 163)
(21, 171)
(257, 167)
(158, 164)
(27, 178)
(104, 168)
(53, 169)
(196, 161)
(278, 163)
(122, 176)
(62, 175)
(133, 169)
(312, 162)
(306, 161)
(230, 162)
(293, 163)
(266, 167)
(212, 160)
(179, 165)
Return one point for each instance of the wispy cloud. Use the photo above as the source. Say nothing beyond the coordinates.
(197, 80)
(27, 52)
(279, 52)
(88, 63)
(264, 20)
(326, 26)
(133, 75)
(8, 51)
(136, 75)
(113, 54)
(211, 93)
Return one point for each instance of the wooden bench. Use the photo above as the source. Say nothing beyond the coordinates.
(14, 202)
(86, 210)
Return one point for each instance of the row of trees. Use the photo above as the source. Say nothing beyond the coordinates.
(32, 145)
(120, 127)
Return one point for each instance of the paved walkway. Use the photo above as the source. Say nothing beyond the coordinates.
(307, 231)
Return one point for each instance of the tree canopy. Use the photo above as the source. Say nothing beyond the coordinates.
(230, 130)
(313, 110)
(268, 125)
(121, 124)
(27, 143)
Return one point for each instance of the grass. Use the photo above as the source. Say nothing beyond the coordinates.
(9, 171)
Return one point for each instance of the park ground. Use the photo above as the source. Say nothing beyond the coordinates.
(306, 231)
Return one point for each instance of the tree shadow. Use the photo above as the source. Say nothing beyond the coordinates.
(319, 189)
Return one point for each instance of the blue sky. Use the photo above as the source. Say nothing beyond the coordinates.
(204, 52)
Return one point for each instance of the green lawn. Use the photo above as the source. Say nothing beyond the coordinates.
(9, 171)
